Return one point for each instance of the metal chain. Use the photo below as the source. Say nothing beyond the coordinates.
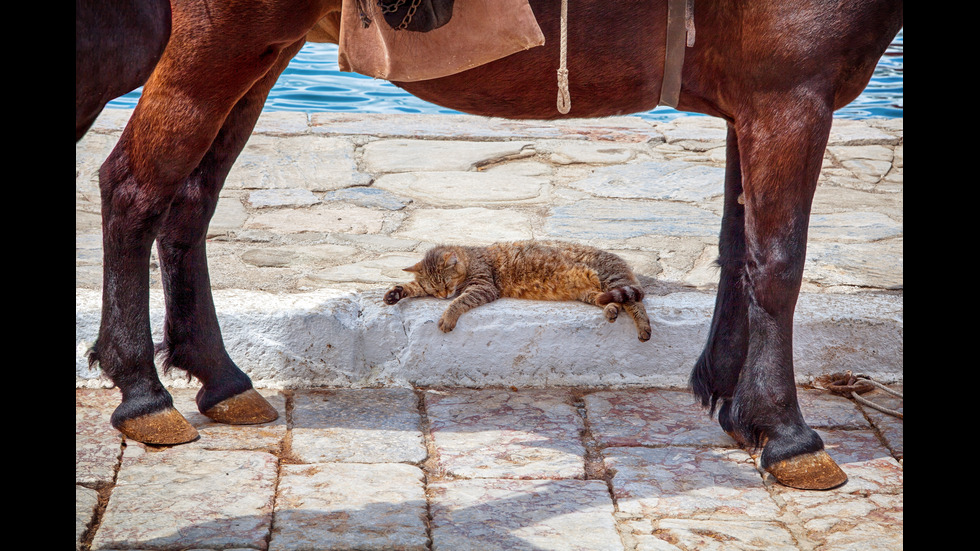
(410, 14)
(390, 8)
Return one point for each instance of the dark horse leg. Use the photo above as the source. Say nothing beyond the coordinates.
(716, 372)
(746, 411)
(162, 181)
(192, 336)
(780, 149)
(781, 86)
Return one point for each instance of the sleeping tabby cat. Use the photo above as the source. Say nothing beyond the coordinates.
(526, 269)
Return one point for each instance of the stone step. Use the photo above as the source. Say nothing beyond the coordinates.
(336, 338)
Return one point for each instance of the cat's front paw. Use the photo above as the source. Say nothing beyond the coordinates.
(446, 324)
(394, 294)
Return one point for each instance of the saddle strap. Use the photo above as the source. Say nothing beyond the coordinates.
(680, 35)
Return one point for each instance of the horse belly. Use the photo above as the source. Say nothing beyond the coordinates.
(615, 59)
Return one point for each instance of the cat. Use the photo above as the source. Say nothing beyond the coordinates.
(535, 270)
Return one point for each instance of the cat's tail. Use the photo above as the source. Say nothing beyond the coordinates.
(623, 294)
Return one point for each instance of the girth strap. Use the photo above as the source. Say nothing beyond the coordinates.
(680, 35)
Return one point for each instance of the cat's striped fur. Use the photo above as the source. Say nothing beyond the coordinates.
(473, 276)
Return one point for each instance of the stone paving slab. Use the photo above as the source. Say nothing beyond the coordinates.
(714, 535)
(387, 156)
(650, 418)
(628, 129)
(672, 482)
(315, 164)
(825, 410)
(98, 447)
(889, 426)
(350, 506)
(443, 189)
(530, 515)
(86, 504)
(188, 497)
(365, 426)
(503, 434)
(875, 521)
(478, 469)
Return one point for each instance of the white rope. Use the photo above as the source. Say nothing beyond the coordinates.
(564, 98)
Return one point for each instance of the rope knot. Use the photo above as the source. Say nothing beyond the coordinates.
(844, 384)
(851, 386)
(564, 97)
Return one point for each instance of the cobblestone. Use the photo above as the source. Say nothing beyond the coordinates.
(482, 469)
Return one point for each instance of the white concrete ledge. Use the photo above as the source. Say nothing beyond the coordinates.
(339, 339)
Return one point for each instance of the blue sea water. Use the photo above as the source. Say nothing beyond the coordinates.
(313, 83)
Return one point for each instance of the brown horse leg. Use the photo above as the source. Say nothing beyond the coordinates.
(204, 72)
(716, 372)
(192, 336)
(781, 150)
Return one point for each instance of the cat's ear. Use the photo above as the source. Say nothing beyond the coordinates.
(449, 259)
(417, 268)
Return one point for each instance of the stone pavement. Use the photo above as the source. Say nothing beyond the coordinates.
(480, 469)
(508, 433)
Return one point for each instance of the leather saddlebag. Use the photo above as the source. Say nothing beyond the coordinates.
(480, 31)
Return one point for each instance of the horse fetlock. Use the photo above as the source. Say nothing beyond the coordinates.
(725, 420)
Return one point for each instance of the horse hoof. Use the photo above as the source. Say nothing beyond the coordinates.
(810, 471)
(246, 408)
(167, 427)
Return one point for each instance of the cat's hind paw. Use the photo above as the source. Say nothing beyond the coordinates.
(394, 294)
(611, 311)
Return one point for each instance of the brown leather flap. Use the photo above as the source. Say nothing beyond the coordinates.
(480, 31)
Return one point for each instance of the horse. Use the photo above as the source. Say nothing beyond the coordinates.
(774, 71)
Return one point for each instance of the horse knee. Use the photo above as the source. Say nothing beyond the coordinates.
(190, 213)
(773, 279)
